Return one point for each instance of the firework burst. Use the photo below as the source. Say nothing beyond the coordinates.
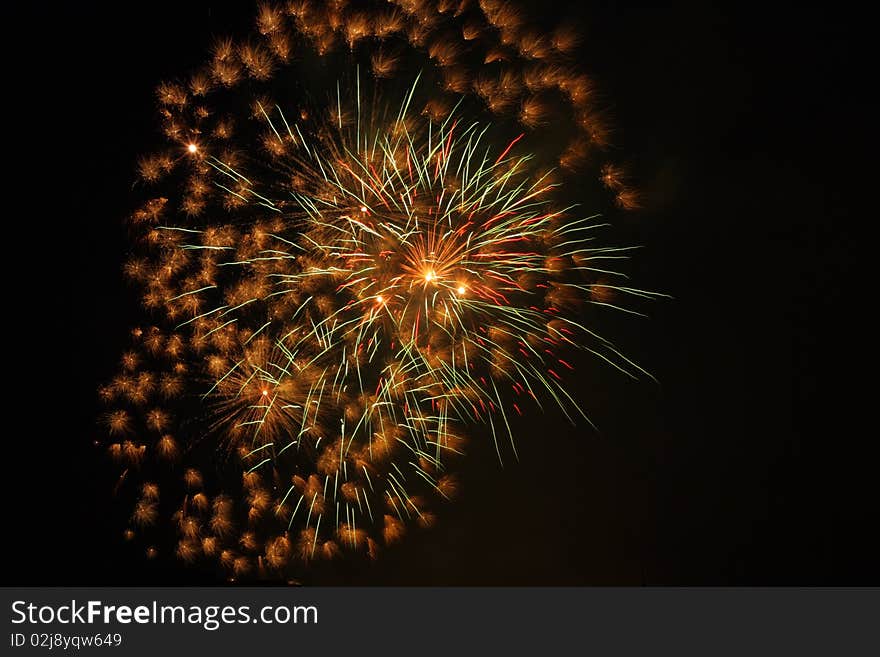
(342, 289)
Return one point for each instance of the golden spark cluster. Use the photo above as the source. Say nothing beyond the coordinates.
(342, 278)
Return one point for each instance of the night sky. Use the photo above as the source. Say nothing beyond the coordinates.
(742, 466)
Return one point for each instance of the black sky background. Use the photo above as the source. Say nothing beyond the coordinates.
(745, 465)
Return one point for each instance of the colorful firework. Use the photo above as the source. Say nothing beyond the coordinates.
(346, 279)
